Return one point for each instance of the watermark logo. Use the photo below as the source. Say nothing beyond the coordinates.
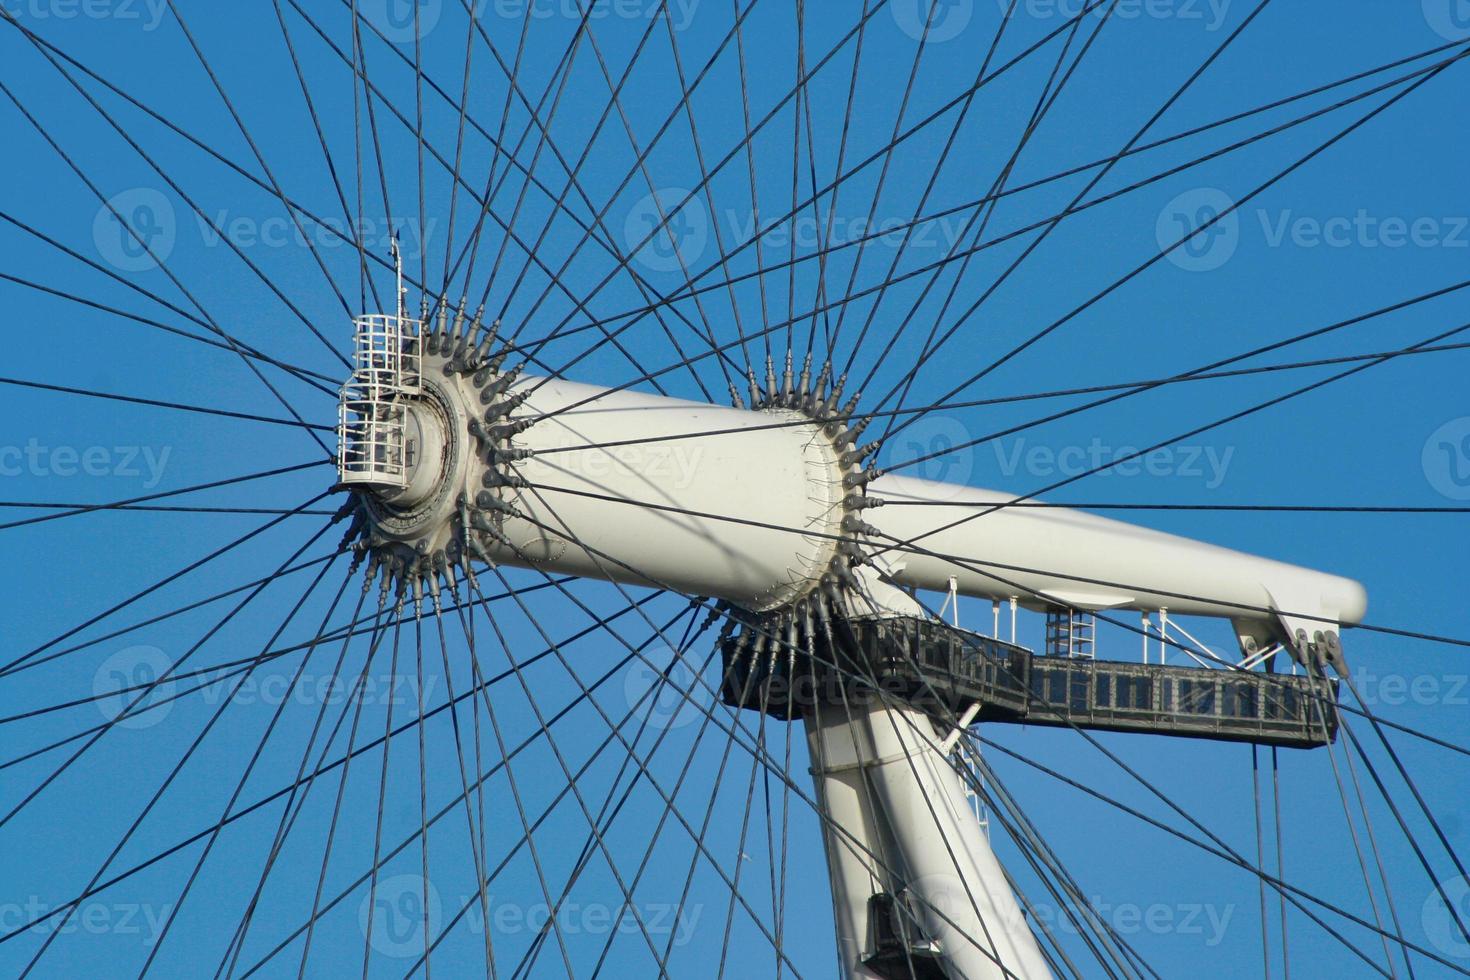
(680, 13)
(92, 918)
(136, 230)
(573, 918)
(943, 900)
(394, 916)
(309, 689)
(1426, 690)
(1446, 459)
(944, 20)
(35, 459)
(810, 232)
(1438, 917)
(139, 229)
(667, 230)
(400, 21)
(280, 231)
(1363, 230)
(148, 14)
(1208, 464)
(934, 447)
(1214, 227)
(1209, 13)
(671, 465)
(126, 677)
(1450, 19)
(1204, 224)
(940, 900)
(664, 698)
(1207, 921)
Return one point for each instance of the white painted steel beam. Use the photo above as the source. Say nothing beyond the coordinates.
(907, 827)
(772, 499)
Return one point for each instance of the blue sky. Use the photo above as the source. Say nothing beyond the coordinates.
(1374, 219)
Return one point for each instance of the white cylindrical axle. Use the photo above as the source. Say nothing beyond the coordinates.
(773, 495)
(747, 506)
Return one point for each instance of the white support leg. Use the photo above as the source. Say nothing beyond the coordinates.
(885, 782)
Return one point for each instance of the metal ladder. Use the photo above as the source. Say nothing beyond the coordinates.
(1069, 633)
(371, 411)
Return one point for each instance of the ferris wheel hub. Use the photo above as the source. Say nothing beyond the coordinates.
(419, 448)
(455, 459)
(412, 517)
(458, 461)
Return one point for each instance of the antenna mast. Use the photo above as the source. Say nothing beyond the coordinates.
(400, 292)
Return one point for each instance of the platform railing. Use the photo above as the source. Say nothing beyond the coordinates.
(931, 663)
(371, 409)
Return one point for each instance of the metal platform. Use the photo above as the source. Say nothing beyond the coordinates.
(948, 670)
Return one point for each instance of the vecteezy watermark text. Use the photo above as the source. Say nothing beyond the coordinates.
(1205, 463)
(247, 231)
(948, 894)
(1424, 689)
(672, 465)
(139, 229)
(396, 915)
(38, 916)
(409, 21)
(1210, 14)
(672, 228)
(146, 463)
(148, 14)
(679, 12)
(1201, 229)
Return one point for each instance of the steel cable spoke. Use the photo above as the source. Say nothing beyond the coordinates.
(985, 567)
(612, 808)
(228, 240)
(158, 403)
(484, 201)
(1275, 179)
(1049, 95)
(1097, 178)
(601, 558)
(163, 267)
(285, 791)
(163, 788)
(310, 378)
(1234, 416)
(143, 695)
(270, 176)
(480, 780)
(254, 758)
(827, 305)
(917, 127)
(549, 809)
